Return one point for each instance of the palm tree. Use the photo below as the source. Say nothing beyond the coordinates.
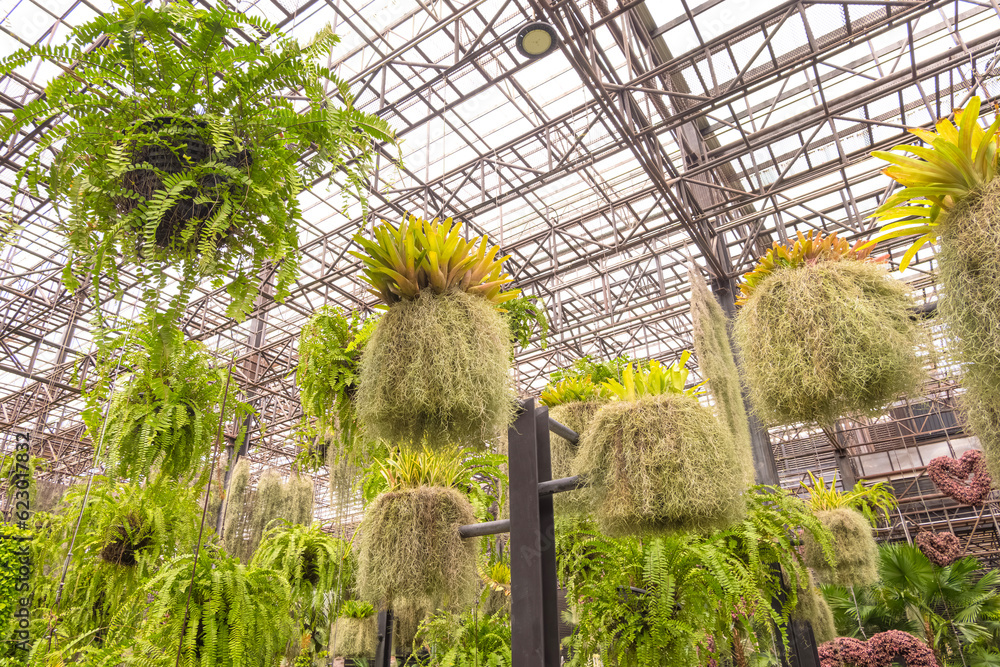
(951, 608)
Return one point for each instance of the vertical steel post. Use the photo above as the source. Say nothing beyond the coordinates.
(546, 522)
(383, 654)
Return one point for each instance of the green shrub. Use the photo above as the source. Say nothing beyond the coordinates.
(409, 550)
(856, 553)
(662, 463)
(437, 368)
(827, 339)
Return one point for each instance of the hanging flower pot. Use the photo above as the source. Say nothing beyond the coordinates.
(165, 164)
(410, 553)
(355, 632)
(854, 549)
(951, 197)
(824, 332)
(437, 366)
(658, 461)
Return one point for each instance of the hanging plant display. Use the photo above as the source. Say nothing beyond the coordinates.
(942, 549)
(659, 461)
(884, 649)
(824, 332)
(849, 516)
(437, 366)
(951, 477)
(572, 402)
(949, 196)
(164, 418)
(356, 631)
(163, 162)
(409, 549)
(813, 608)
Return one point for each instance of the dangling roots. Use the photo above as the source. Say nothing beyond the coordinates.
(662, 464)
(577, 416)
(826, 340)
(853, 546)
(437, 367)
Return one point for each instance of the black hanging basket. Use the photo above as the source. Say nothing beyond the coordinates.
(171, 145)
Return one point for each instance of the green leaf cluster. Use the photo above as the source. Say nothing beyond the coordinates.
(147, 78)
(526, 316)
(165, 417)
(653, 380)
(12, 542)
(466, 640)
(876, 502)
(595, 370)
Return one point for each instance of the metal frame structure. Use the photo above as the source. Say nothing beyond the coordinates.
(656, 134)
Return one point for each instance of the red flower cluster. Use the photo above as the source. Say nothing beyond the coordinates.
(882, 650)
(942, 549)
(950, 476)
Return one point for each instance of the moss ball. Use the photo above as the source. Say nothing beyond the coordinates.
(662, 464)
(355, 637)
(409, 550)
(437, 368)
(970, 274)
(577, 416)
(825, 340)
(853, 546)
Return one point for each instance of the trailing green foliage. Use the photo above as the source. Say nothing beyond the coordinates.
(330, 348)
(239, 616)
(855, 561)
(827, 339)
(525, 315)
(355, 637)
(126, 533)
(681, 599)
(597, 371)
(165, 416)
(409, 550)
(165, 163)
(316, 566)
(710, 331)
(876, 502)
(466, 640)
(954, 609)
(437, 369)
(662, 463)
(813, 607)
(272, 501)
(13, 541)
(250, 512)
(237, 511)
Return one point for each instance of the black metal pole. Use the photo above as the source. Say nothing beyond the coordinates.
(383, 654)
(547, 526)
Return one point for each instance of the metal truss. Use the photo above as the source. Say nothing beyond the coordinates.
(659, 134)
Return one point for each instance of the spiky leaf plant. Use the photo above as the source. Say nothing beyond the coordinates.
(824, 332)
(437, 369)
(876, 502)
(950, 196)
(355, 633)
(409, 549)
(659, 461)
(163, 162)
(239, 616)
(316, 566)
(330, 348)
(571, 390)
(165, 416)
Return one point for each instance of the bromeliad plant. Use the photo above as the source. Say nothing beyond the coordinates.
(437, 366)
(571, 390)
(164, 162)
(355, 633)
(849, 516)
(823, 332)
(658, 461)
(950, 196)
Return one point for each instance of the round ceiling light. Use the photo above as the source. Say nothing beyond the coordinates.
(536, 39)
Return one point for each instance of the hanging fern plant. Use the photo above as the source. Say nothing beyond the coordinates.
(238, 616)
(164, 162)
(165, 417)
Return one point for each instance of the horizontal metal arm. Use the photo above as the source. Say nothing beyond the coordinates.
(564, 431)
(503, 526)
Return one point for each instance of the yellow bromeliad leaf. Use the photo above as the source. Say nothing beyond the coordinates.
(960, 158)
(420, 254)
(570, 390)
(808, 248)
(653, 380)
